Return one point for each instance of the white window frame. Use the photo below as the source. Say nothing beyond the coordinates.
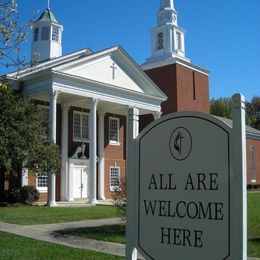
(178, 41)
(41, 189)
(113, 142)
(55, 35)
(86, 140)
(113, 187)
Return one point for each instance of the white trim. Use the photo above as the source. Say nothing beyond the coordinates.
(112, 142)
(114, 188)
(86, 140)
(172, 60)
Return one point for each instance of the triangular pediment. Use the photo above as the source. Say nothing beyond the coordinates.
(112, 67)
(107, 71)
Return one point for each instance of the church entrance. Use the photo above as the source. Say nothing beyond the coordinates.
(80, 182)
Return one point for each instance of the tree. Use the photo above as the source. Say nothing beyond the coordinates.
(22, 142)
(12, 34)
(250, 114)
(256, 108)
(221, 107)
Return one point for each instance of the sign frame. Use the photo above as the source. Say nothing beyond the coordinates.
(237, 185)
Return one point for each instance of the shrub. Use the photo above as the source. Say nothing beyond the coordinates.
(29, 194)
(12, 196)
(25, 195)
(119, 198)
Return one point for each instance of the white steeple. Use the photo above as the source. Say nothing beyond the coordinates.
(167, 39)
(167, 4)
(47, 37)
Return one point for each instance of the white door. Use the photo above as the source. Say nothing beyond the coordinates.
(79, 183)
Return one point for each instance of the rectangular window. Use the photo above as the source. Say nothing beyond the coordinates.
(252, 162)
(55, 34)
(114, 178)
(160, 41)
(178, 40)
(80, 127)
(42, 183)
(36, 34)
(113, 130)
(45, 33)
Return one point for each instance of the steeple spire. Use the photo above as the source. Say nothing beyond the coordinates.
(167, 4)
(167, 14)
(49, 4)
(168, 39)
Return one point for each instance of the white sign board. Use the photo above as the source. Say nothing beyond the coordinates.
(184, 189)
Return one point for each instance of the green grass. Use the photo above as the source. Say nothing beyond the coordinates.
(45, 215)
(16, 247)
(111, 233)
(116, 233)
(254, 224)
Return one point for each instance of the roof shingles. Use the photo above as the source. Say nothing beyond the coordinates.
(47, 16)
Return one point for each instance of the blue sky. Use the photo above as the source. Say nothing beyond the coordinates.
(222, 36)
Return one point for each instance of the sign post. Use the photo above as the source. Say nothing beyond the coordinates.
(188, 188)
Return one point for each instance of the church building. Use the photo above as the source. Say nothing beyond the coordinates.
(87, 98)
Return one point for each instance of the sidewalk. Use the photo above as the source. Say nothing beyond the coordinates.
(46, 233)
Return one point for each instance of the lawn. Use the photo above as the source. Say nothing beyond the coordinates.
(16, 247)
(254, 224)
(44, 215)
(116, 233)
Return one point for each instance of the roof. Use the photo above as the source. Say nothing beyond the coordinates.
(250, 131)
(47, 16)
(60, 66)
(43, 65)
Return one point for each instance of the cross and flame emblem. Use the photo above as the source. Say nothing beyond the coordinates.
(180, 143)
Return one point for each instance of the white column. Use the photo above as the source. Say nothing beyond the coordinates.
(131, 221)
(25, 177)
(53, 95)
(93, 152)
(101, 155)
(64, 154)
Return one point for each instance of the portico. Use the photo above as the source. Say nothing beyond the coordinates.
(88, 96)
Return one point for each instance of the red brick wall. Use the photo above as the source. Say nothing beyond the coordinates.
(165, 79)
(192, 90)
(186, 89)
(115, 155)
(256, 145)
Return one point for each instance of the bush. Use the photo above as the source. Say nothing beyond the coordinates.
(12, 196)
(24, 195)
(29, 194)
(119, 198)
